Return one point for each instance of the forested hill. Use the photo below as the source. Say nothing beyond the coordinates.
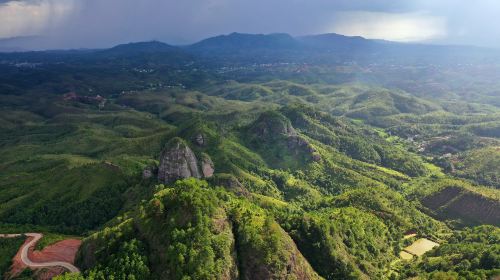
(197, 162)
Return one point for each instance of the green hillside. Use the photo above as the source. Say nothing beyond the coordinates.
(270, 171)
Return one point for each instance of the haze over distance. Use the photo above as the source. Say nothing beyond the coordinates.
(62, 24)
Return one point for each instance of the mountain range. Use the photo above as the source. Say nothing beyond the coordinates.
(281, 46)
(250, 156)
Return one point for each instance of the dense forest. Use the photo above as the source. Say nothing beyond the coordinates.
(214, 162)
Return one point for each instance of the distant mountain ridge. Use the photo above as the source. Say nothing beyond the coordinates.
(236, 42)
(241, 48)
(142, 47)
(17, 44)
(333, 41)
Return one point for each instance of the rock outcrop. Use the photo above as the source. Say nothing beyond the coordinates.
(199, 139)
(230, 183)
(177, 161)
(272, 128)
(146, 174)
(271, 125)
(207, 166)
(149, 172)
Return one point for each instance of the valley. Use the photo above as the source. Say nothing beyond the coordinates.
(255, 157)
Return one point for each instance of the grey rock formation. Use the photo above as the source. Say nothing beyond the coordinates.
(274, 128)
(230, 183)
(207, 166)
(199, 139)
(177, 161)
(297, 144)
(147, 173)
(270, 126)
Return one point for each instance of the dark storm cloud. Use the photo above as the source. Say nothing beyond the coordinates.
(190, 20)
(99, 23)
(21, 1)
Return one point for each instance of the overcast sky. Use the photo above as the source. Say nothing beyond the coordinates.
(102, 23)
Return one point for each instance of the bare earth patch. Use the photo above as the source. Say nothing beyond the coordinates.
(405, 256)
(61, 251)
(420, 246)
(64, 250)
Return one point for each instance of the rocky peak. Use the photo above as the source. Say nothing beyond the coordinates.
(177, 161)
(271, 125)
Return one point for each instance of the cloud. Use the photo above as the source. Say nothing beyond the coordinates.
(401, 27)
(25, 18)
(103, 23)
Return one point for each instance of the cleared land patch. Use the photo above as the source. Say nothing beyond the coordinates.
(419, 247)
(405, 256)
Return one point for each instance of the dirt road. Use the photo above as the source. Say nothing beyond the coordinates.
(25, 249)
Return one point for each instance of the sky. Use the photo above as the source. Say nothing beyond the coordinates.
(104, 23)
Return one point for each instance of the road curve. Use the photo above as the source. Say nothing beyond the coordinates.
(25, 249)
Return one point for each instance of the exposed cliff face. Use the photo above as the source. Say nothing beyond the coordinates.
(279, 142)
(207, 166)
(177, 161)
(230, 183)
(298, 144)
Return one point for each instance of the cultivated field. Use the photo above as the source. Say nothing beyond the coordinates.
(420, 247)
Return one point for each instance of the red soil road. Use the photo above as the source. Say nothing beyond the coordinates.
(62, 251)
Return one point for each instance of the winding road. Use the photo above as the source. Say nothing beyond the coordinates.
(25, 249)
